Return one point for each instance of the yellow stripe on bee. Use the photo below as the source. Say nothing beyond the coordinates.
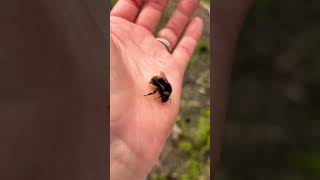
(166, 93)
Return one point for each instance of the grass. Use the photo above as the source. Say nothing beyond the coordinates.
(194, 145)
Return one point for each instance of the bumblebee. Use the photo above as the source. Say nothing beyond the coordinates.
(162, 85)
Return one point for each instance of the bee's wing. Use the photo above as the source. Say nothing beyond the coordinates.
(163, 75)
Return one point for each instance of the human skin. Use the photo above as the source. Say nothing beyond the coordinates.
(228, 16)
(140, 125)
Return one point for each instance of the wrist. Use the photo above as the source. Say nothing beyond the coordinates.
(124, 165)
(121, 171)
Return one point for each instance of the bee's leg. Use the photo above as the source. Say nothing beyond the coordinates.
(152, 92)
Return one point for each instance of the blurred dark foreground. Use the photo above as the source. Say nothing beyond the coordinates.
(272, 131)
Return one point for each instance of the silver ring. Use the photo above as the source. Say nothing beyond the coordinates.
(165, 42)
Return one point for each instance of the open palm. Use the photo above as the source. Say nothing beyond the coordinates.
(140, 124)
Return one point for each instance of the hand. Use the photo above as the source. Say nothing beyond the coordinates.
(140, 125)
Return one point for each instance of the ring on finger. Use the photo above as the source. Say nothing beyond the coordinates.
(165, 42)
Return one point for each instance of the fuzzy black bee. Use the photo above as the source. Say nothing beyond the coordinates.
(162, 85)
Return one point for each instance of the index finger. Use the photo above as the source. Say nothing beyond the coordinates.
(127, 9)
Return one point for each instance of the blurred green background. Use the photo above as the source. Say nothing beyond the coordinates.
(272, 131)
(186, 155)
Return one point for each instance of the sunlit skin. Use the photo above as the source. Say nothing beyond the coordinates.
(140, 125)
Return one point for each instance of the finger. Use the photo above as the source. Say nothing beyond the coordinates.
(151, 13)
(184, 50)
(127, 9)
(178, 21)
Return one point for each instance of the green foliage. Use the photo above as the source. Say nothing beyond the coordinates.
(193, 167)
(206, 1)
(305, 163)
(196, 145)
(185, 145)
(202, 137)
(203, 46)
(201, 49)
(159, 178)
(113, 2)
